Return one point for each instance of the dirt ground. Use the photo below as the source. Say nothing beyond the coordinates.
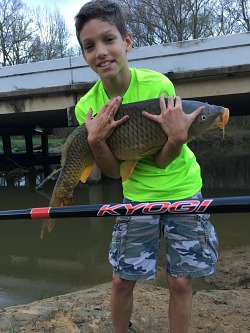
(225, 308)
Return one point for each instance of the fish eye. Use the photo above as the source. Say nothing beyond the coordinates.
(203, 117)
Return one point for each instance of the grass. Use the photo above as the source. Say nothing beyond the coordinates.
(12, 330)
(240, 251)
(19, 144)
(44, 296)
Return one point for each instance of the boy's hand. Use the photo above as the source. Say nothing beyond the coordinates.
(103, 124)
(174, 122)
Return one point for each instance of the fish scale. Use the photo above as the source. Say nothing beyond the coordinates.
(138, 133)
(134, 139)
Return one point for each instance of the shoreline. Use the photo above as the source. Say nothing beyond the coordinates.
(225, 309)
(88, 311)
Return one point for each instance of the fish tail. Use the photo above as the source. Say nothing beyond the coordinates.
(48, 224)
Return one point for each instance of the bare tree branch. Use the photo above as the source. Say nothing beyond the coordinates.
(165, 21)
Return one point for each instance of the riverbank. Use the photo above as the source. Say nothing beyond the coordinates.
(225, 309)
(213, 142)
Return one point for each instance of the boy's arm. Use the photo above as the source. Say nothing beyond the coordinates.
(99, 129)
(175, 124)
(105, 160)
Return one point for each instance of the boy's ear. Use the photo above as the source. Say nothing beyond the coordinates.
(129, 41)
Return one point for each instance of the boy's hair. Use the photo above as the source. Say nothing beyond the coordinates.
(107, 11)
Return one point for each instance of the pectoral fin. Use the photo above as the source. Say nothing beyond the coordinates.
(86, 173)
(126, 168)
(152, 151)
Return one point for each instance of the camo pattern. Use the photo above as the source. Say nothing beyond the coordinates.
(191, 245)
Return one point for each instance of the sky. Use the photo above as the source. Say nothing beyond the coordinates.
(68, 8)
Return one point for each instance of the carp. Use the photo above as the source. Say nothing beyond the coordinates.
(136, 138)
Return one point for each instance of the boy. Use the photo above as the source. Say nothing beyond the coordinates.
(171, 174)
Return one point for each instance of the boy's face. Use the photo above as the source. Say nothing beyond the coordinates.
(104, 50)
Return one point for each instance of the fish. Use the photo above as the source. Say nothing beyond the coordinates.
(136, 138)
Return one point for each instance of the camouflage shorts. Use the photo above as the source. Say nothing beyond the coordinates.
(191, 245)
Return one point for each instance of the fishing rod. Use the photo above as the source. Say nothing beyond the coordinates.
(239, 204)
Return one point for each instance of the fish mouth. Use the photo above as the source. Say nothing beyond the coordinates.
(222, 120)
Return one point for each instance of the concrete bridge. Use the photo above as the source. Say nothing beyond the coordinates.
(43, 94)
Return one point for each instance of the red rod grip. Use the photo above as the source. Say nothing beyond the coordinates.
(40, 213)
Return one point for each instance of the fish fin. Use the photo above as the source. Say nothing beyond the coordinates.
(86, 173)
(126, 168)
(48, 224)
(152, 151)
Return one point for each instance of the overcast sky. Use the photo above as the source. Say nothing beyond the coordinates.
(68, 8)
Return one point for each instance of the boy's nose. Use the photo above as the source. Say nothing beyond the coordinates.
(101, 51)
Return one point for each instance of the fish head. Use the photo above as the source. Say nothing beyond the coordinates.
(212, 116)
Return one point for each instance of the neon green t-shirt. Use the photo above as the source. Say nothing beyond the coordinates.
(181, 179)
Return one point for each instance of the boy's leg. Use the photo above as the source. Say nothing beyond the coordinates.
(192, 251)
(121, 303)
(180, 304)
(134, 256)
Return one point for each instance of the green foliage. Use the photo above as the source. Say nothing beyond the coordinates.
(240, 251)
(44, 296)
(13, 330)
(19, 144)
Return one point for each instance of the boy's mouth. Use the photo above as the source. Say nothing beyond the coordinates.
(105, 64)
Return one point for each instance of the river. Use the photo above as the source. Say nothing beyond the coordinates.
(74, 255)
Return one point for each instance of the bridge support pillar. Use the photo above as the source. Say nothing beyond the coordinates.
(29, 143)
(7, 150)
(45, 144)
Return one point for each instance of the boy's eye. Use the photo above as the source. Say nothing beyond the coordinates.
(109, 39)
(87, 47)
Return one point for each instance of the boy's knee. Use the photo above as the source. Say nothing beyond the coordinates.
(121, 285)
(179, 285)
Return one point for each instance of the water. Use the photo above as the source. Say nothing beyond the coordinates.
(75, 255)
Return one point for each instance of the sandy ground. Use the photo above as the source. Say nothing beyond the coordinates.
(226, 308)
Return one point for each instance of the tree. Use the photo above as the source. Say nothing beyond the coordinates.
(245, 10)
(228, 18)
(167, 21)
(52, 36)
(31, 35)
(41, 34)
(201, 18)
(15, 32)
